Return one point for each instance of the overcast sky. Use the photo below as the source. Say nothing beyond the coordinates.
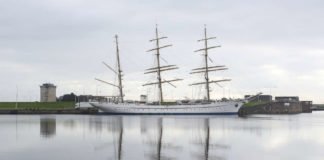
(276, 47)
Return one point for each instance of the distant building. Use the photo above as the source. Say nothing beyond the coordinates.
(306, 106)
(260, 98)
(68, 98)
(48, 92)
(143, 98)
(287, 99)
(83, 98)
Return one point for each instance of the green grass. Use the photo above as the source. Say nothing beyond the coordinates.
(252, 104)
(169, 103)
(320, 106)
(37, 105)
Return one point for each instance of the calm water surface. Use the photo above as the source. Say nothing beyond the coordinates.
(79, 137)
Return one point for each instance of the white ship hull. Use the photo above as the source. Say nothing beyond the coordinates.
(226, 108)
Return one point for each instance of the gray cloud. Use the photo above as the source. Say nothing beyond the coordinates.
(275, 44)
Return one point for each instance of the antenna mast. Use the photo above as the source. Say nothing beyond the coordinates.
(206, 69)
(158, 69)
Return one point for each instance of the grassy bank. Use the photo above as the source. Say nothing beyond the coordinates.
(37, 105)
(319, 106)
(252, 104)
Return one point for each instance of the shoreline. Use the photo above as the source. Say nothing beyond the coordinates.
(91, 111)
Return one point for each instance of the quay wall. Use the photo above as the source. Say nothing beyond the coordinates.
(53, 111)
(272, 108)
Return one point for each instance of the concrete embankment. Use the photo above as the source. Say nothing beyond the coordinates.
(57, 111)
(275, 108)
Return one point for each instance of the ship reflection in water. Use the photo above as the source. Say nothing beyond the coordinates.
(35, 137)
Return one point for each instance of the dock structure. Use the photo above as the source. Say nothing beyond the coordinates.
(281, 105)
(306, 106)
(90, 111)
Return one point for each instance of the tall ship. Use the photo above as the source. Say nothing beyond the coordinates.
(185, 107)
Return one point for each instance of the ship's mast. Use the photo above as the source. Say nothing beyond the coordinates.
(206, 69)
(158, 69)
(120, 85)
(118, 72)
(158, 64)
(206, 65)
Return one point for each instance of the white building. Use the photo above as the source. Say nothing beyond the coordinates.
(143, 98)
(48, 92)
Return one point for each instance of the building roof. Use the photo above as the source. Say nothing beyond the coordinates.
(48, 85)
